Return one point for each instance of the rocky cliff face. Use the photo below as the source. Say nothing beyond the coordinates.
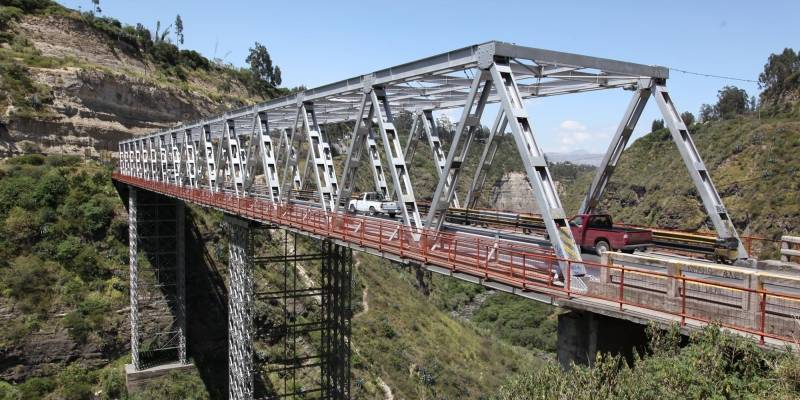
(102, 90)
(513, 193)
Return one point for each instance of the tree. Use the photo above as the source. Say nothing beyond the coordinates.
(657, 124)
(781, 75)
(179, 29)
(264, 75)
(276, 75)
(731, 101)
(688, 118)
(160, 36)
(96, 4)
(707, 113)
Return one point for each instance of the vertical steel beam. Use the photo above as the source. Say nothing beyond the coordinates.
(176, 160)
(395, 157)
(180, 275)
(353, 159)
(470, 121)
(137, 158)
(487, 157)
(223, 172)
(211, 171)
(321, 159)
(162, 148)
(697, 169)
(544, 189)
(291, 174)
(371, 146)
(615, 148)
(268, 162)
(133, 256)
(191, 162)
(234, 161)
(240, 310)
(413, 137)
(431, 130)
(151, 157)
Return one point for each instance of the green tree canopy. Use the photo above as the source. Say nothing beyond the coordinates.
(731, 101)
(781, 75)
(265, 75)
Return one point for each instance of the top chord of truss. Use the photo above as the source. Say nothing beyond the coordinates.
(443, 81)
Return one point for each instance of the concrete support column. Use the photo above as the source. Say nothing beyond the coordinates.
(133, 242)
(180, 277)
(583, 334)
(240, 310)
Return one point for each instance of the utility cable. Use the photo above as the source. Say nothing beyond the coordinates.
(712, 75)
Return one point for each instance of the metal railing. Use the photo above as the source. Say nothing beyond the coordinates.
(671, 295)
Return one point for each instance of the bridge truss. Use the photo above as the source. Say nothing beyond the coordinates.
(240, 152)
(249, 163)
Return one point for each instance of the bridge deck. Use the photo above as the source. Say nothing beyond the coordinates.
(620, 289)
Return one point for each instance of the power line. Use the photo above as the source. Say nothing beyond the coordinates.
(712, 75)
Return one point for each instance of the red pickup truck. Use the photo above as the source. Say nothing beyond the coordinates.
(597, 232)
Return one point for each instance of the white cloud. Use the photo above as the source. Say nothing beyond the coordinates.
(571, 125)
(574, 135)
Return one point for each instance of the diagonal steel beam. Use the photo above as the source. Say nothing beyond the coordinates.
(615, 148)
(468, 123)
(544, 189)
(697, 170)
(487, 156)
(394, 154)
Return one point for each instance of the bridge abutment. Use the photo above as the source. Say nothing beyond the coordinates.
(582, 335)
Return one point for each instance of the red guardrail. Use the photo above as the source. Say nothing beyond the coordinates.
(522, 267)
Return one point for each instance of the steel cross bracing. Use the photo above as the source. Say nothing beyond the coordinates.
(425, 123)
(691, 158)
(467, 78)
(487, 157)
(363, 138)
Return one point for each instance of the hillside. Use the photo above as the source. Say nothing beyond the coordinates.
(754, 163)
(71, 80)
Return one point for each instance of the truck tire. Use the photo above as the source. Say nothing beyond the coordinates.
(372, 210)
(352, 209)
(601, 247)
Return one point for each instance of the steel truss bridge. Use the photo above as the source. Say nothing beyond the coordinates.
(248, 163)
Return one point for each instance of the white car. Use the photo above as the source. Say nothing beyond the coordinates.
(374, 204)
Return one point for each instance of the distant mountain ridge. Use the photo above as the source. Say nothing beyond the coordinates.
(576, 157)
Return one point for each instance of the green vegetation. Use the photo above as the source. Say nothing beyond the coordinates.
(715, 365)
(184, 69)
(62, 252)
(418, 349)
(520, 321)
(175, 385)
(74, 382)
(781, 78)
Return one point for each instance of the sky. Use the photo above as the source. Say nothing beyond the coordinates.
(318, 42)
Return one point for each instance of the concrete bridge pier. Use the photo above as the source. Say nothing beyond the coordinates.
(583, 334)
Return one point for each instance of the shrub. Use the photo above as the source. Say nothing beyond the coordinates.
(75, 382)
(20, 227)
(176, 385)
(30, 280)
